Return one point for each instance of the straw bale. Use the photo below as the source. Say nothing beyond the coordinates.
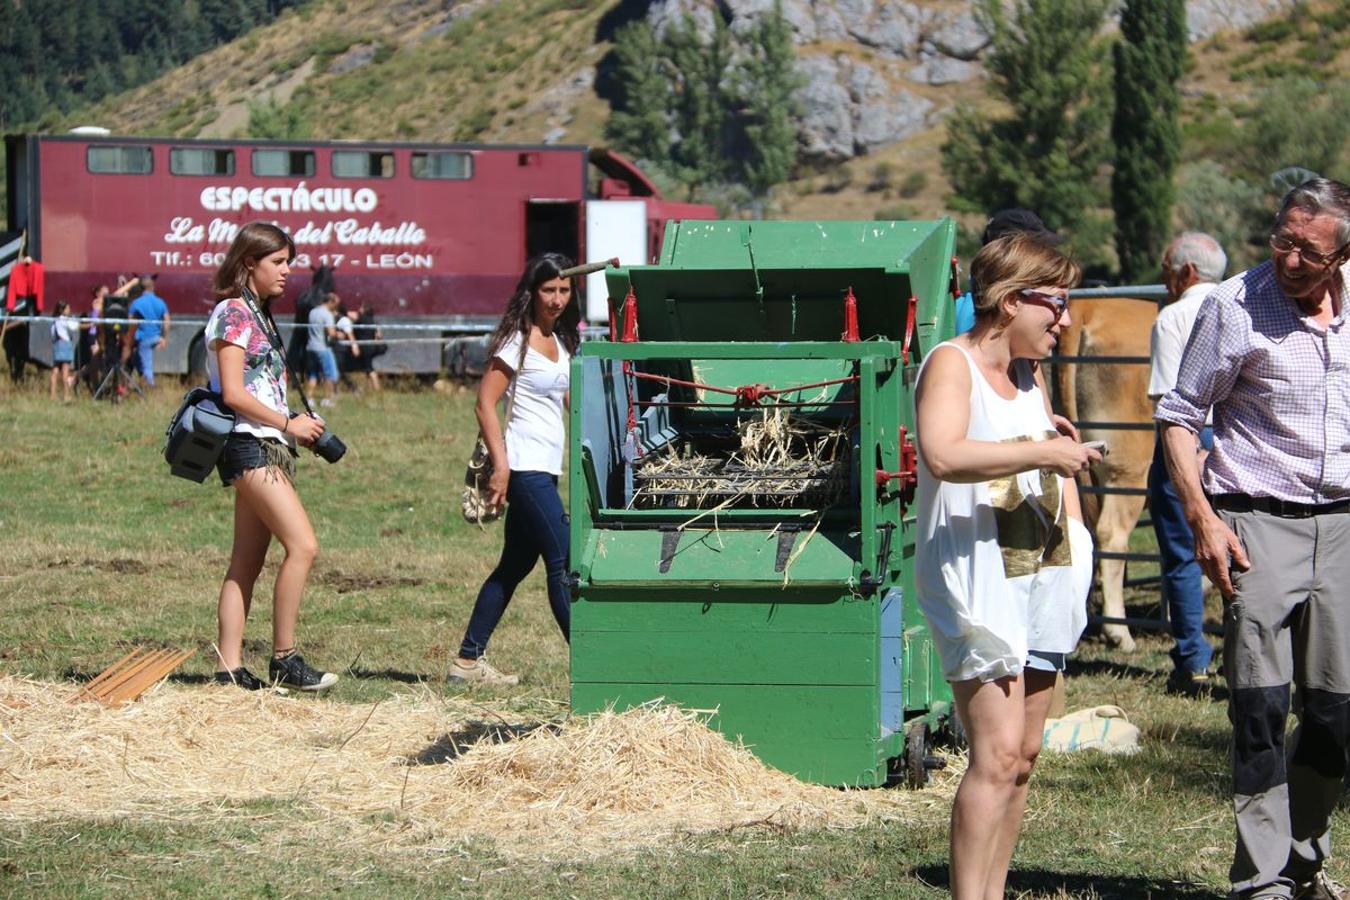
(569, 789)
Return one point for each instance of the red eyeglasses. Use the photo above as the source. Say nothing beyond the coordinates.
(1056, 303)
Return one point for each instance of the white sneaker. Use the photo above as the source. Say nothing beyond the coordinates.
(481, 672)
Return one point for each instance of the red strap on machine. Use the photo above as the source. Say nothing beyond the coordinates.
(630, 330)
(955, 286)
(909, 328)
(850, 317)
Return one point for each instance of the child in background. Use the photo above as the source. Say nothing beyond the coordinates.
(64, 331)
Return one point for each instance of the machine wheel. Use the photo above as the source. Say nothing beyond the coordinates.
(196, 368)
(916, 754)
(953, 733)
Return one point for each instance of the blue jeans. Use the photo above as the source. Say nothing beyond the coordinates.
(1182, 587)
(536, 525)
(145, 359)
(323, 364)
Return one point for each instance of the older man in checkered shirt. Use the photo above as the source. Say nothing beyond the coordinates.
(1270, 351)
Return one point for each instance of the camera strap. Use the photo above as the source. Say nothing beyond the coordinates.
(269, 327)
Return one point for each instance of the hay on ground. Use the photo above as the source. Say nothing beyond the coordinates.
(411, 772)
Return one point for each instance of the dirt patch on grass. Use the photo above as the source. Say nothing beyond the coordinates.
(346, 582)
(410, 772)
(118, 566)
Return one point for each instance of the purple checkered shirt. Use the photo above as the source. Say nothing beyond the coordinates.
(1280, 388)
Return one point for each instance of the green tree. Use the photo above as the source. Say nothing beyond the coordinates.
(1150, 59)
(275, 121)
(767, 83)
(701, 101)
(714, 114)
(1230, 208)
(1297, 122)
(1051, 66)
(640, 122)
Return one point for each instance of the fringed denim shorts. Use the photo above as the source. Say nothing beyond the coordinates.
(244, 451)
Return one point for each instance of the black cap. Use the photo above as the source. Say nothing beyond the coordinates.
(1019, 221)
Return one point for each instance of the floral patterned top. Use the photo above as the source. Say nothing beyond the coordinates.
(264, 366)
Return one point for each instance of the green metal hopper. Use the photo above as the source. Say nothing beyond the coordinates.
(741, 469)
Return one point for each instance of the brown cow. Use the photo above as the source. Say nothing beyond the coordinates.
(1110, 326)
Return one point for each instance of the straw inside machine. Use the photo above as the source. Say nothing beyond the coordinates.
(770, 459)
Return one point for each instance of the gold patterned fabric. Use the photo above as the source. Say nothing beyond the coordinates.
(1031, 532)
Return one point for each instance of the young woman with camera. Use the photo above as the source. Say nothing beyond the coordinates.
(530, 353)
(247, 366)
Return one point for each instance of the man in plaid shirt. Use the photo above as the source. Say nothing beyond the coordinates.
(1270, 352)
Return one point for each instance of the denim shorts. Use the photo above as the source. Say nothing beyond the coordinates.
(62, 352)
(323, 364)
(244, 451)
(1045, 661)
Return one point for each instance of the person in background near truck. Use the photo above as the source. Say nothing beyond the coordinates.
(1192, 266)
(90, 351)
(151, 331)
(322, 332)
(348, 351)
(65, 330)
(373, 346)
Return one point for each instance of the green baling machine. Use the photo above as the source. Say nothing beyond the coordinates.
(742, 474)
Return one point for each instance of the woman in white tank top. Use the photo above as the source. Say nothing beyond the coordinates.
(1003, 560)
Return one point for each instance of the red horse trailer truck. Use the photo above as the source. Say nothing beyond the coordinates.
(436, 233)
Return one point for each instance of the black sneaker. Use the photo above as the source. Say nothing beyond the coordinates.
(1190, 684)
(241, 677)
(293, 672)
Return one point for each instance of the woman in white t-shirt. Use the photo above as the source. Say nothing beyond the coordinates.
(1003, 561)
(531, 354)
(246, 365)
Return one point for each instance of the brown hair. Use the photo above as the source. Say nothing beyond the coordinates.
(254, 241)
(1013, 263)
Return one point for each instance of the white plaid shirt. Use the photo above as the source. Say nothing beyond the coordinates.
(1280, 388)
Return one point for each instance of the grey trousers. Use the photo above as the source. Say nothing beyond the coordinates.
(1288, 623)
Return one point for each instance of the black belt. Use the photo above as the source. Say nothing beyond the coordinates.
(1285, 509)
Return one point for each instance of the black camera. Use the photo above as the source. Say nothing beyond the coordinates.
(329, 446)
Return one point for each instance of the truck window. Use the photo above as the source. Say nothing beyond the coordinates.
(448, 164)
(363, 164)
(201, 161)
(283, 163)
(119, 160)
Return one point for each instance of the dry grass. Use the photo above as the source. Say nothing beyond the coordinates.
(413, 771)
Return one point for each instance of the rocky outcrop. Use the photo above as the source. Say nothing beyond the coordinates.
(554, 107)
(850, 109)
(1205, 18)
(854, 103)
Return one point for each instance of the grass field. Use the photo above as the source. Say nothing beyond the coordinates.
(103, 550)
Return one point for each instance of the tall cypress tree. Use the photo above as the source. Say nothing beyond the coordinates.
(702, 97)
(1051, 66)
(767, 88)
(1150, 59)
(640, 123)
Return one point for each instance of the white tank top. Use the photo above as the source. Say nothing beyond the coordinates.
(995, 563)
